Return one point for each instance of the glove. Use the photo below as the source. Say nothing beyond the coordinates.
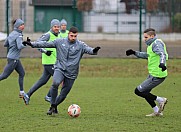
(95, 50)
(28, 39)
(27, 43)
(130, 52)
(48, 52)
(162, 66)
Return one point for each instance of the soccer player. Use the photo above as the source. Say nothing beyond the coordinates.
(63, 34)
(63, 28)
(69, 53)
(14, 45)
(157, 56)
(48, 59)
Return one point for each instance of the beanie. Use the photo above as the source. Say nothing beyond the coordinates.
(63, 21)
(18, 23)
(55, 22)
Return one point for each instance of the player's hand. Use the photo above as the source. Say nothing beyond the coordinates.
(130, 52)
(28, 39)
(96, 49)
(48, 52)
(162, 66)
(27, 43)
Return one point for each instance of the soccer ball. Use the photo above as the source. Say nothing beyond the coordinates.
(74, 110)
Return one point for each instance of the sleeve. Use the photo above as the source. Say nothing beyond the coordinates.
(6, 43)
(45, 44)
(19, 42)
(87, 49)
(44, 37)
(158, 48)
(142, 55)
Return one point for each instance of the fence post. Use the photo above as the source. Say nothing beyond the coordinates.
(7, 16)
(140, 25)
(74, 12)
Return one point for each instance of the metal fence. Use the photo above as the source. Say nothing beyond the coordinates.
(114, 20)
(115, 16)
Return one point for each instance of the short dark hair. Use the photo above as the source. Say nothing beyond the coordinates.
(150, 31)
(73, 30)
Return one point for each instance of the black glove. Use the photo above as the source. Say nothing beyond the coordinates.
(130, 52)
(27, 43)
(162, 65)
(28, 39)
(95, 50)
(48, 52)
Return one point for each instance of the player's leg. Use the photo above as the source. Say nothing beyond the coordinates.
(50, 70)
(42, 81)
(143, 90)
(8, 69)
(67, 85)
(58, 77)
(20, 70)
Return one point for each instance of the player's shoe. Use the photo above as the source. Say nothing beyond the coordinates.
(26, 99)
(162, 104)
(55, 111)
(47, 98)
(51, 110)
(21, 94)
(155, 114)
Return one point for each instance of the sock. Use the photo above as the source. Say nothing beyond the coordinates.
(159, 99)
(156, 109)
(22, 92)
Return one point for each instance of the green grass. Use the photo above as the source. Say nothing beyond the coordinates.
(105, 92)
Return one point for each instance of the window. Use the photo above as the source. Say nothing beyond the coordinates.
(23, 10)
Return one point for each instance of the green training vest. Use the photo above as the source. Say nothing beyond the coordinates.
(154, 61)
(49, 60)
(64, 35)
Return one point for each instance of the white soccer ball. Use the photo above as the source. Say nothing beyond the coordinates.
(74, 110)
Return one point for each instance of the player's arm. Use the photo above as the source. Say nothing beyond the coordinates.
(44, 37)
(19, 42)
(142, 55)
(6, 43)
(89, 50)
(44, 44)
(138, 54)
(158, 48)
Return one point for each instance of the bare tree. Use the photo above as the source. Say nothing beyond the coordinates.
(84, 5)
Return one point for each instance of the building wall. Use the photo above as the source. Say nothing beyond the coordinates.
(92, 22)
(2, 14)
(16, 12)
(123, 23)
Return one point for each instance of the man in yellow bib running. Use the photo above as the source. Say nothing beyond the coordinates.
(157, 56)
(48, 59)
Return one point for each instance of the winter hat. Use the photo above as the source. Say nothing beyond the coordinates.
(55, 22)
(63, 21)
(18, 23)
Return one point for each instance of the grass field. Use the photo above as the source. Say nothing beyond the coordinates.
(105, 92)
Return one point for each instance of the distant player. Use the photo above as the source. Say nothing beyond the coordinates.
(14, 45)
(63, 28)
(157, 56)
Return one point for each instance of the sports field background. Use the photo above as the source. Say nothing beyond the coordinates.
(109, 48)
(105, 92)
